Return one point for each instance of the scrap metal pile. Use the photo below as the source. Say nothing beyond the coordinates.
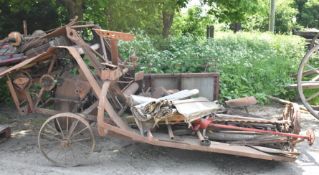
(183, 115)
(75, 73)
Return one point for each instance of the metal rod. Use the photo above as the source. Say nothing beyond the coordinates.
(169, 128)
(259, 131)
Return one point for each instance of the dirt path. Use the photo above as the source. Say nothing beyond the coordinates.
(20, 155)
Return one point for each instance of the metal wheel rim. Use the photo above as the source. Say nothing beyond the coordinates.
(75, 157)
(299, 81)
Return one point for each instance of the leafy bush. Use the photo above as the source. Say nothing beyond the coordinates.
(256, 64)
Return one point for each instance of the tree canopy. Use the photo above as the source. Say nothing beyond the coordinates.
(160, 17)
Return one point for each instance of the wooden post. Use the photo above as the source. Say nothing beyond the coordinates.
(272, 16)
(210, 31)
(25, 28)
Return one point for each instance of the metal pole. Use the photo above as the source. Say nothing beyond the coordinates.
(272, 16)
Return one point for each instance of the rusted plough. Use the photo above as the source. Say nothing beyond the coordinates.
(84, 84)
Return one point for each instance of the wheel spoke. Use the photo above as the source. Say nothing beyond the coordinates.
(312, 96)
(81, 140)
(67, 124)
(54, 138)
(73, 128)
(54, 144)
(49, 149)
(53, 129)
(58, 153)
(61, 131)
(316, 78)
(73, 155)
(83, 145)
(74, 135)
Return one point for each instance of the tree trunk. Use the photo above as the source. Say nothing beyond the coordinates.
(235, 27)
(75, 8)
(167, 22)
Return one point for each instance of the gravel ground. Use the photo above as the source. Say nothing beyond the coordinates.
(20, 155)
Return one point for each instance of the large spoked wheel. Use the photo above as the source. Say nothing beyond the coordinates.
(308, 81)
(66, 139)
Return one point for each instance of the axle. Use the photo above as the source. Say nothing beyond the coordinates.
(310, 134)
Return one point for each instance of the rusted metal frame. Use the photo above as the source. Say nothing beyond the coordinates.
(13, 95)
(219, 147)
(259, 142)
(114, 35)
(54, 33)
(52, 62)
(260, 131)
(148, 79)
(104, 104)
(98, 54)
(103, 46)
(103, 49)
(60, 99)
(46, 111)
(114, 51)
(26, 62)
(169, 129)
(96, 88)
(39, 96)
(42, 90)
(213, 74)
(83, 26)
(130, 89)
(91, 108)
(74, 37)
(179, 82)
(29, 99)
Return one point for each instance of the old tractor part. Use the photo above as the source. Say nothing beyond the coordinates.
(47, 82)
(21, 80)
(67, 145)
(241, 102)
(292, 115)
(308, 80)
(19, 90)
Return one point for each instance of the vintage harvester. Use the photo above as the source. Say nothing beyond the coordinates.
(74, 73)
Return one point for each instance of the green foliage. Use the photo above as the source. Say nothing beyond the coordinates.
(285, 20)
(233, 11)
(249, 63)
(130, 15)
(4, 92)
(40, 14)
(309, 15)
(193, 22)
(285, 16)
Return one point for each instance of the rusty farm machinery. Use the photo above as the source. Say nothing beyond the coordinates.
(74, 73)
